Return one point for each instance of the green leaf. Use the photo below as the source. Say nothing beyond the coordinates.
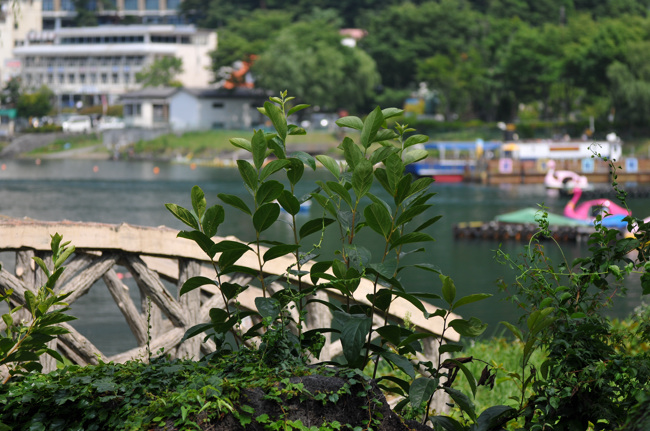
(351, 152)
(384, 135)
(449, 424)
(201, 239)
(265, 216)
(278, 120)
(469, 299)
(64, 256)
(415, 139)
(279, 251)
(289, 202)
(331, 164)
(394, 171)
(54, 318)
(314, 225)
(410, 238)
(341, 191)
(214, 216)
(305, 158)
(391, 112)
(242, 143)
(400, 362)
(450, 348)
(463, 402)
(297, 108)
(495, 417)
(194, 283)
(228, 245)
(410, 213)
(515, 331)
(378, 219)
(258, 145)
(448, 288)
(272, 167)
(248, 174)
(268, 307)
(268, 192)
(421, 390)
(295, 170)
(362, 178)
(373, 122)
(198, 202)
(468, 328)
(414, 156)
(235, 201)
(183, 215)
(427, 223)
(350, 122)
(353, 335)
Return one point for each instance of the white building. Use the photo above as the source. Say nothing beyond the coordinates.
(93, 64)
(17, 19)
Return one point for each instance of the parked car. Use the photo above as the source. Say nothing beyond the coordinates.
(108, 123)
(77, 124)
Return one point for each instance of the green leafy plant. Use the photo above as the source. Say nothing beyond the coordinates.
(585, 382)
(22, 343)
(348, 205)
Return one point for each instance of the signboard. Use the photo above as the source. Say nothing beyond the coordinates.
(632, 165)
(588, 166)
(505, 166)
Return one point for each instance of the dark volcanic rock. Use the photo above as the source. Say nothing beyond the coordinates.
(354, 407)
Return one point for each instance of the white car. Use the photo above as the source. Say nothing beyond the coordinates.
(77, 124)
(107, 123)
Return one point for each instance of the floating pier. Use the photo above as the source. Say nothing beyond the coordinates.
(501, 231)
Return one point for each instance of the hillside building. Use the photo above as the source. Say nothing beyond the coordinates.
(95, 65)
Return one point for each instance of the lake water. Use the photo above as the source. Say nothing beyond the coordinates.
(116, 192)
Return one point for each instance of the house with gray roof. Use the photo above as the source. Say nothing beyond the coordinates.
(185, 109)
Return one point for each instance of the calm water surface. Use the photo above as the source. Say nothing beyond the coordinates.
(116, 192)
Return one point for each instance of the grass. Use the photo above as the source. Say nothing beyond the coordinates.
(209, 144)
(71, 143)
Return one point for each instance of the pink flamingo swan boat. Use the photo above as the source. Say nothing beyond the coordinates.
(563, 180)
(587, 211)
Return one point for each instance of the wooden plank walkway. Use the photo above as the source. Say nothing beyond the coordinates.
(152, 255)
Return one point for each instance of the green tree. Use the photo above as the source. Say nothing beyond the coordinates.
(248, 36)
(35, 104)
(162, 72)
(84, 17)
(11, 92)
(308, 58)
(630, 84)
(404, 34)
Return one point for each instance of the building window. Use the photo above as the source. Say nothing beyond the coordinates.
(128, 110)
(60, 78)
(82, 78)
(138, 110)
(67, 5)
(104, 78)
(50, 78)
(173, 4)
(130, 4)
(91, 5)
(71, 78)
(217, 105)
(93, 78)
(48, 4)
(127, 78)
(115, 79)
(151, 4)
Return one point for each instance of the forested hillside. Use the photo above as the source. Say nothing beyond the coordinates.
(492, 60)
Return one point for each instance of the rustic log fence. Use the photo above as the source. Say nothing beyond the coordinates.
(152, 255)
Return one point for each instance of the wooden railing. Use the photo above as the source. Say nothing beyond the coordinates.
(152, 255)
